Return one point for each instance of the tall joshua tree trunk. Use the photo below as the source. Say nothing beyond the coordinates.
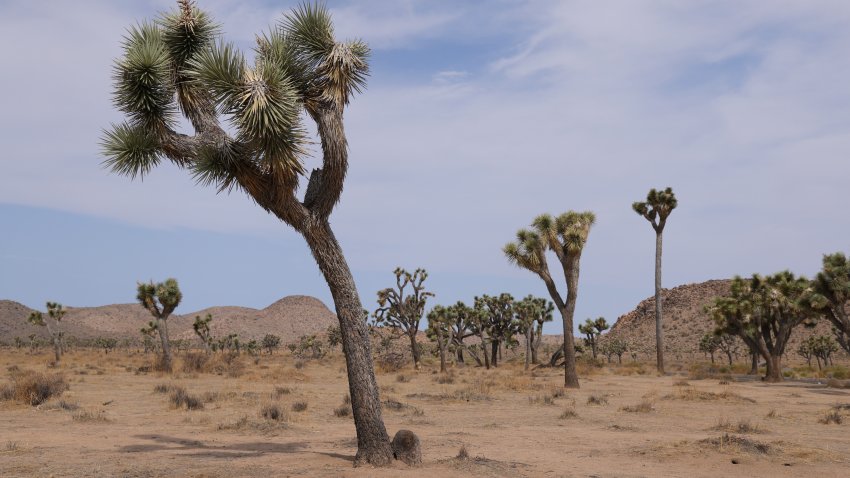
(567, 313)
(659, 333)
(529, 332)
(414, 348)
(373, 442)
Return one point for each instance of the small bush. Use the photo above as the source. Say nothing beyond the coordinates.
(280, 391)
(181, 398)
(402, 378)
(832, 417)
(541, 399)
(299, 364)
(463, 453)
(299, 406)
(772, 413)
(597, 399)
(444, 379)
(342, 411)
(11, 446)
(644, 406)
(272, 411)
(88, 416)
(163, 388)
(195, 362)
(33, 388)
(568, 413)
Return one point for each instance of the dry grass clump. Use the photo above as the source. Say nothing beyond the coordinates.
(541, 399)
(267, 426)
(280, 391)
(728, 442)
(463, 453)
(299, 406)
(343, 410)
(690, 394)
(743, 426)
(597, 399)
(89, 416)
(772, 413)
(681, 383)
(273, 411)
(33, 388)
(445, 379)
(402, 378)
(568, 413)
(395, 405)
(478, 390)
(644, 406)
(833, 416)
(195, 362)
(10, 446)
(179, 398)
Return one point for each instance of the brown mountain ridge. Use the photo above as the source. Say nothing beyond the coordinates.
(289, 318)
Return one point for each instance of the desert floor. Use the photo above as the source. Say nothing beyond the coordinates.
(511, 422)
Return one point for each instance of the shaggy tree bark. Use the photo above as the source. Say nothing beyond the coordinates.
(162, 327)
(659, 332)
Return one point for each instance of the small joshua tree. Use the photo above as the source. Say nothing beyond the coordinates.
(160, 300)
(402, 309)
(823, 347)
(271, 343)
(107, 344)
(461, 327)
(806, 350)
(614, 346)
(55, 312)
(500, 324)
(530, 312)
(709, 344)
(148, 334)
(592, 329)
(656, 209)
(202, 330)
(566, 236)
(830, 294)
(729, 345)
(439, 330)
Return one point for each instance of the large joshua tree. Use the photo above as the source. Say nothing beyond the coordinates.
(160, 300)
(55, 312)
(402, 308)
(178, 64)
(656, 210)
(566, 236)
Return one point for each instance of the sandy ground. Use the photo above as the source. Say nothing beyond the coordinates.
(511, 422)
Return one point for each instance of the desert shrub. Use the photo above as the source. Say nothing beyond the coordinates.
(463, 453)
(299, 406)
(541, 399)
(194, 362)
(299, 364)
(772, 413)
(402, 378)
(477, 390)
(280, 391)
(644, 406)
(160, 364)
(342, 411)
(390, 362)
(832, 417)
(88, 416)
(445, 379)
(690, 394)
(163, 388)
(33, 388)
(272, 411)
(179, 397)
(743, 426)
(743, 444)
(568, 413)
(597, 399)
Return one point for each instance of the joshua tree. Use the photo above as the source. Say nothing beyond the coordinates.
(566, 236)
(656, 209)
(763, 312)
(160, 300)
(498, 312)
(532, 311)
(55, 312)
(461, 327)
(178, 64)
(202, 330)
(148, 333)
(107, 344)
(806, 350)
(614, 346)
(823, 347)
(271, 342)
(439, 330)
(831, 293)
(404, 311)
(709, 344)
(728, 344)
(592, 330)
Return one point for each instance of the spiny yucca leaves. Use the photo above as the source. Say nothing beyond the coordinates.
(657, 207)
(166, 293)
(186, 31)
(144, 88)
(338, 69)
(573, 228)
(263, 105)
(130, 150)
(36, 318)
(527, 251)
(55, 310)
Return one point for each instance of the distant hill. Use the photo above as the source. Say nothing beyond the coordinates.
(685, 322)
(289, 318)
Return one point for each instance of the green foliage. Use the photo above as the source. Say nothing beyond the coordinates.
(658, 206)
(402, 309)
(160, 299)
(308, 346)
(107, 344)
(335, 335)
(614, 346)
(202, 329)
(271, 343)
(830, 294)
(592, 330)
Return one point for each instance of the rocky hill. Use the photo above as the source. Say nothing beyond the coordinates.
(289, 318)
(685, 322)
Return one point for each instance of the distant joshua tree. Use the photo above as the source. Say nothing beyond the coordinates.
(403, 309)
(148, 334)
(461, 326)
(179, 64)
(592, 329)
(709, 344)
(271, 343)
(439, 330)
(656, 209)
(500, 324)
(160, 300)
(530, 312)
(55, 312)
(831, 295)
(565, 235)
(202, 330)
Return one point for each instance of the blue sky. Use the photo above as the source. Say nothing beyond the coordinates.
(478, 116)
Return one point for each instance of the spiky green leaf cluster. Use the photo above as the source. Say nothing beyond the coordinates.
(130, 150)
(657, 207)
(160, 299)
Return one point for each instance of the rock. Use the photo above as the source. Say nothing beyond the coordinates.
(406, 448)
